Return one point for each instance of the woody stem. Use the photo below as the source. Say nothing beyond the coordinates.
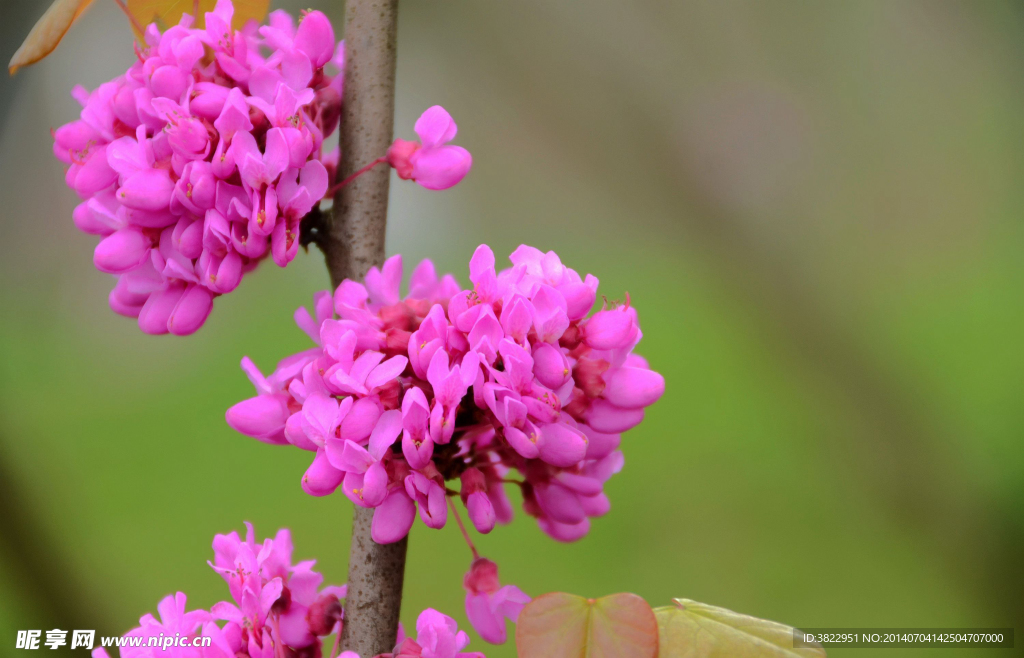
(352, 242)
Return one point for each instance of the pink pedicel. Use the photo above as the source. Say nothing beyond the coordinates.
(403, 396)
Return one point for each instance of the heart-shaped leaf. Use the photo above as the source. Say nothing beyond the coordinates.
(561, 625)
(47, 32)
(690, 629)
(168, 12)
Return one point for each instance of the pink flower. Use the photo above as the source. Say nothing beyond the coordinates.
(259, 172)
(510, 375)
(478, 504)
(276, 602)
(450, 385)
(264, 416)
(417, 446)
(315, 38)
(429, 493)
(393, 518)
(488, 604)
(366, 476)
(432, 162)
(298, 192)
(280, 608)
(437, 636)
(173, 621)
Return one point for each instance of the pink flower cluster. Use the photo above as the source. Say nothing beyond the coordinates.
(202, 159)
(403, 395)
(437, 636)
(279, 608)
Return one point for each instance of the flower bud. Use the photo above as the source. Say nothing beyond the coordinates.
(315, 38)
(187, 238)
(260, 416)
(169, 82)
(191, 310)
(559, 503)
(561, 445)
(157, 309)
(393, 518)
(324, 614)
(93, 174)
(633, 388)
(604, 416)
(88, 221)
(579, 298)
(564, 532)
(550, 366)
(123, 302)
(609, 330)
(399, 157)
(321, 479)
(481, 512)
(148, 189)
(122, 251)
(482, 577)
(208, 100)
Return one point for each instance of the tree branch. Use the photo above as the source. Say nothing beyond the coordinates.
(352, 242)
(355, 237)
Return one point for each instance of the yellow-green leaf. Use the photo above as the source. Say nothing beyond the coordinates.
(168, 12)
(561, 625)
(47, 32)
(690, 629)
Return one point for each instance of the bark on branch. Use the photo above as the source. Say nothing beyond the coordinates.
(353, 241)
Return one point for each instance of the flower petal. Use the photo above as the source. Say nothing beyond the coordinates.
(393, 518)
(435, 126)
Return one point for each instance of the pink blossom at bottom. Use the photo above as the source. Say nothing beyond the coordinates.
(174, 621)
(278, 609)
(437, 636)
(488, 604)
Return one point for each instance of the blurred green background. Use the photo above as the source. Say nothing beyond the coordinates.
(816, 208)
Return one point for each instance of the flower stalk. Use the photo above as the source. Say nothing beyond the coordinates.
(337, 188)
(353, 243)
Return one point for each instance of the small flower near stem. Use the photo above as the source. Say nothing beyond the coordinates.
(488, 603)
(431, 162)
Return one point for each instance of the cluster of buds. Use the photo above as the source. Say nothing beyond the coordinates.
(279, 608)
(402, 396)
(204, 157)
